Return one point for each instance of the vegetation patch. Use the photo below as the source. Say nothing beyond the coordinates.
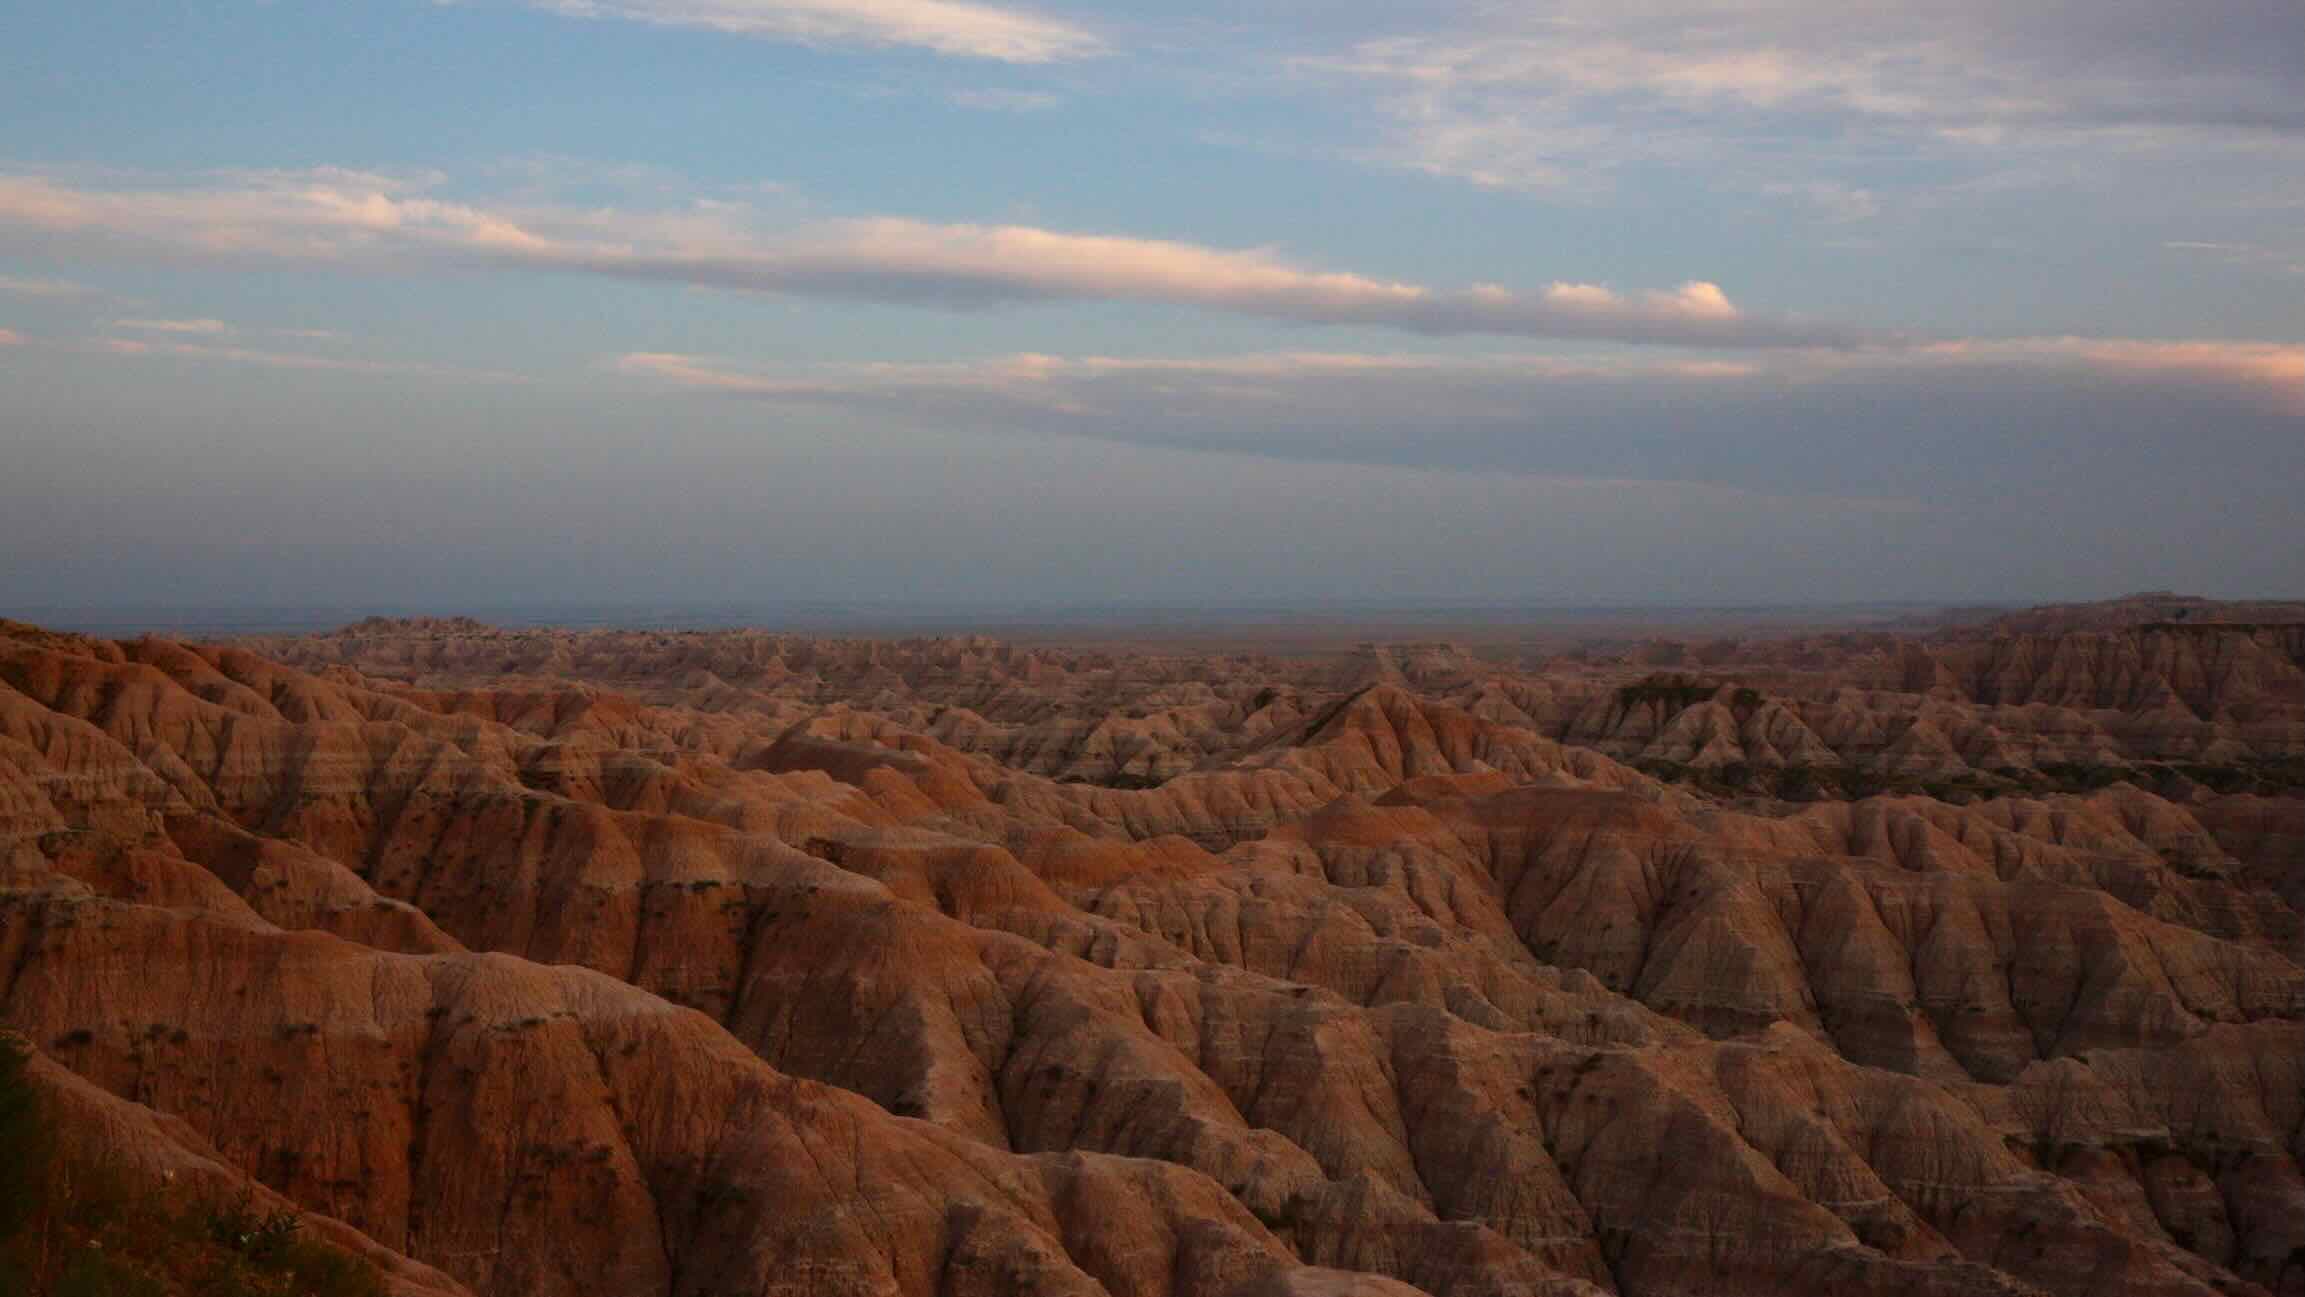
(70, 1227)
(1675, 693)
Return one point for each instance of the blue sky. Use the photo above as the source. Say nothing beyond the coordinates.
(1670, 300)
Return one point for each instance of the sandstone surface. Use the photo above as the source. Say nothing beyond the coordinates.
(730, 962)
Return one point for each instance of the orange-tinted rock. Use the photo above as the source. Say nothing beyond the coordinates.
(735, 963)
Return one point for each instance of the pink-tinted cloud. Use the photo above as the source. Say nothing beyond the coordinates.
(210, 328)
(290, 359)
(954, 27)
(14, 286)
(348, 218)
(1559, 97)
(1358, 397)
(2276, 369)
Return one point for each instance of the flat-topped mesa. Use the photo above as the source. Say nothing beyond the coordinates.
(373, 626)
(550, 963)
(2146, 609)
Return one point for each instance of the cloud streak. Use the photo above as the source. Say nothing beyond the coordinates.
(949, 27)
(2047, 415)
(1914, 422)
(1561, 101)
(140, 347)
(358, 220)
(1311, 386)
(1006, 101)
(51, 288)
(209, 328)
(2247, 255)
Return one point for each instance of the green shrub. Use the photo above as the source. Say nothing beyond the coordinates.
(1799, 783)
(261, 1239)
(266, 1254)
(71, 1227)
(1677, 693)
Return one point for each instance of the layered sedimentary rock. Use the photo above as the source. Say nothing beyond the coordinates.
(740, 963)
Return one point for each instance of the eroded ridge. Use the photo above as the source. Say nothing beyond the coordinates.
(549, 963)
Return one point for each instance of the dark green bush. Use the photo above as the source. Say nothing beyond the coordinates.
(1676, 693)
(70, 1228)
(262, 1239)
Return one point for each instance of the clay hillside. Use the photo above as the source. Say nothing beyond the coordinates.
(435, 959)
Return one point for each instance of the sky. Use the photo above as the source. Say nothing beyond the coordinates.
(437, 303)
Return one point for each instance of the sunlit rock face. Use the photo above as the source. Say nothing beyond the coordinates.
(726, 963)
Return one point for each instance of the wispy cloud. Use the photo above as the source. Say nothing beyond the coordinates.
(953, 27)
(2242, 254)
(1006, 101)
(2273, 372)
(353, 219)
(1037, 374)
(1540, 414)
(1833, 199)
(1561, 100)
(57, 288)
(290, 360)
(210, 328)
(1482, 386)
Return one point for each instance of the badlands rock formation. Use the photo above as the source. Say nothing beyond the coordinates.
(536, 963)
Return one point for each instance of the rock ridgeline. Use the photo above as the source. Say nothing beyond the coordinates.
(535, 963)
